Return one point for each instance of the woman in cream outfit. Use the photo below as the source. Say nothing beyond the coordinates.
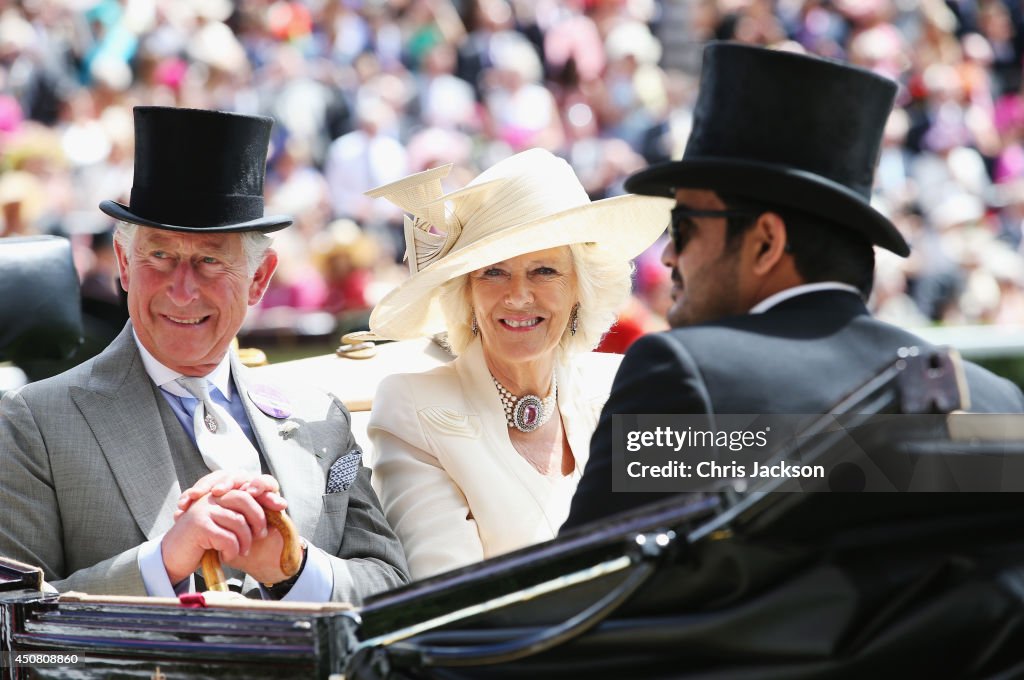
(481, 456)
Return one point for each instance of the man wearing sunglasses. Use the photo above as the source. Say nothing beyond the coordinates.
(772, 257)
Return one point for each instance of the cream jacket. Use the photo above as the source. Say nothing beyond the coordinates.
(453, 487)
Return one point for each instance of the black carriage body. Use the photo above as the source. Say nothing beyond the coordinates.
(42, 637)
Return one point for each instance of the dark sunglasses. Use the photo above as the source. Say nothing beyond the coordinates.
(682, 221)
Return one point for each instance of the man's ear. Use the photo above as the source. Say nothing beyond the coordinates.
(122, 264)
(261, 279)
(768, 241)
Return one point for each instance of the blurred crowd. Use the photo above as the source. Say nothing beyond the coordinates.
(364, 92)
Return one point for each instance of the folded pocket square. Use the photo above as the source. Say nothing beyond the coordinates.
(344, 470)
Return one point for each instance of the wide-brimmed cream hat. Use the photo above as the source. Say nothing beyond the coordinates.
(528, 202)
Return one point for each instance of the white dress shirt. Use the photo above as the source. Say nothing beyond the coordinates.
(783, 295)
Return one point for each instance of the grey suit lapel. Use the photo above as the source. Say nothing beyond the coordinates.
(290, 455)
(120, 406)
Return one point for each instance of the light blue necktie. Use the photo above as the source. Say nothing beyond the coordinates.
(219, 437)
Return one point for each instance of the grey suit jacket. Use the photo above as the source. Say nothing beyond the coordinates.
(88, 475)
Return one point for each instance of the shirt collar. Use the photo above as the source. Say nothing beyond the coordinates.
(164, 377)
(783, 295)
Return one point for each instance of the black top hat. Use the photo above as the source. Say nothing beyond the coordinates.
(198, 171)
(786, 129)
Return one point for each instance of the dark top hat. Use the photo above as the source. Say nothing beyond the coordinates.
(198, 171)
(789, 130)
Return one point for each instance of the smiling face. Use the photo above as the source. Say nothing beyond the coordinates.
(188, 294)
(523, 304)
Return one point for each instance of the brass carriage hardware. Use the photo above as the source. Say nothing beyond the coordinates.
(357, 345)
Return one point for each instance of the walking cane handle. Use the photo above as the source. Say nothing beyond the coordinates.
(291, 553)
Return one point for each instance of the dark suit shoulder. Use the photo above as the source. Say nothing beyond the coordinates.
(658, 374)
(761, 363)
(806, 354)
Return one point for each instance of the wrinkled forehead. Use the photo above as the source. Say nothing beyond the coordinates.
(227, 243)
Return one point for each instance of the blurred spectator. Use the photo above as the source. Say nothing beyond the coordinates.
(365, 158)
(22, 198)
(666, 138)
(949, 162)
(892, 190)
(345, 258)
(444, 100)
(35, 182)
(1010, 219)
(365, 91)
(297, 188)
(634, 85)
(1006, 41)
(487, 18)
(303, 99)
(520, 111)
(890, 298)
(434, 146)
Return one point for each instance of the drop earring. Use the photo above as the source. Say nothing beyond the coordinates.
(472, 324)
(574, 319)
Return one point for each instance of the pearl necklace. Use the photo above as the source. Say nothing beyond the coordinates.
(528, 412)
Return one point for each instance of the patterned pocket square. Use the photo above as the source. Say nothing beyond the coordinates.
(344, 470)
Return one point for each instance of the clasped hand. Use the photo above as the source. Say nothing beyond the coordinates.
(225, 511)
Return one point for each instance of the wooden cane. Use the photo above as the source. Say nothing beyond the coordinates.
(291, 553)
(213, 574)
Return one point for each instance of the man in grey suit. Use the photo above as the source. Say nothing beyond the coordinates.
(94, 460)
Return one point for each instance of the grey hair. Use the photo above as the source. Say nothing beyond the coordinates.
(254, 244)
(603, 284)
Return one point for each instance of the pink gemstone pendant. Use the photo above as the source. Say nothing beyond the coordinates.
(527, 412)
(530, 414)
